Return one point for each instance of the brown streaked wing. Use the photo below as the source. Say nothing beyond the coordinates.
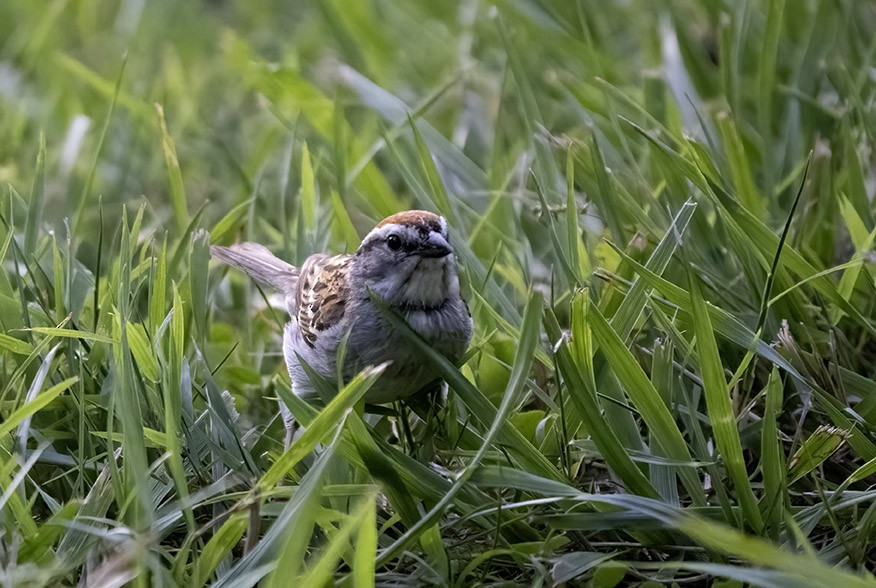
(322, 294)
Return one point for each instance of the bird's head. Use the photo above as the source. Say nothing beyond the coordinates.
(407, 260)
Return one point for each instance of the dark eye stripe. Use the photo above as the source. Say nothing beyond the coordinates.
(411, 234)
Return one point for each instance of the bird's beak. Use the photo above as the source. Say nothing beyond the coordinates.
(435, 247)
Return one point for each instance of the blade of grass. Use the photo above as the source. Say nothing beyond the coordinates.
(819, 446)
(321, 571)
(218, 547)
(174, 175)
(645, 397)
(772, 458)
(38, 403)
(35, 386)
(771, 277)
(158, 290)
(127, 397)
(37, 199)
(171, 374)
(280, 552)
(575, 362)
(365, 550)
(89, 182)
(436, 190)
(721, 415)
(322, 426)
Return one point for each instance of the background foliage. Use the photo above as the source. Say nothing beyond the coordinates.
(664, 216)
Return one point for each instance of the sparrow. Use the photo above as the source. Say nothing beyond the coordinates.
(407, 261)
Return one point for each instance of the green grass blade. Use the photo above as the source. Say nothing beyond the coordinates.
(435, 184)
(805, 570)
(721, 415)
(174, 175)
(218, 547)
(280, 552)
(321, 571)
(308, 190)
(322, 426)
(127, 398)
(89, 182)
(38, 403)
(37, 199)
(158, 290)
(577, 370)
(365, 550)
(815, 450)
(767, 292)
(646, 398)
(772, 463)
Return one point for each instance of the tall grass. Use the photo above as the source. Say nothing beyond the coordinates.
(663, 214)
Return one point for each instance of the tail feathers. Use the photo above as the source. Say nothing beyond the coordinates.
(260, 264)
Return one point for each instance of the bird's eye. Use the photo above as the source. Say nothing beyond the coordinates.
(394, 242)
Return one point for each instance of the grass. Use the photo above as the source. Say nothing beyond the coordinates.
(664, 218)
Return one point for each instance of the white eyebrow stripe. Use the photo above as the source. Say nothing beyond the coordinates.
(409, 232)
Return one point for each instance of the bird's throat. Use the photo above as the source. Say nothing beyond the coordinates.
(426, 286)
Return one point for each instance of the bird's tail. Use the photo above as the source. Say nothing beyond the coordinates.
(260, 264)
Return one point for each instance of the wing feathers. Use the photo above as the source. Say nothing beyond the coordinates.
(322, 294)
(316, 295)
(260, 264)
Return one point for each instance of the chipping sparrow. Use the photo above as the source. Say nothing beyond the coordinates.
(407, 261)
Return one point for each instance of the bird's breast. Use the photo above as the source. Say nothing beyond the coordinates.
(372, 341)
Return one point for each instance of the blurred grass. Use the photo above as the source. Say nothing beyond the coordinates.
(665, 223)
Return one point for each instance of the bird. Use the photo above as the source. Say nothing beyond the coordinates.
(407, 261)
